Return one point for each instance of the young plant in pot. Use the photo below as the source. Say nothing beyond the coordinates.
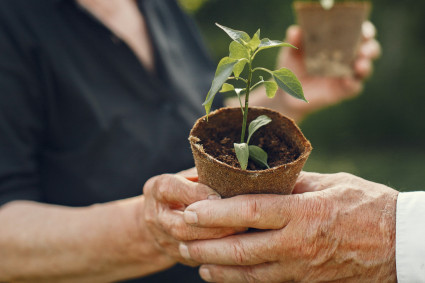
(249, 149)
(331, 34)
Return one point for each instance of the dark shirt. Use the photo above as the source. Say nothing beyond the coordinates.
(81, 120)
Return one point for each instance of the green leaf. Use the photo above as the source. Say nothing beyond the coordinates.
(258, 155)
(255, 41)
(242, 153)
(287, 81)
(267, 43)
(256, 124)
(238, 51)
(237, 70)
(227, 87)
(224, 70)
(237, 35)
(271, 88)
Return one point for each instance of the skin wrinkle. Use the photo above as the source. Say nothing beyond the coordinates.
(251, 209)
(238, 252)
(251, 275)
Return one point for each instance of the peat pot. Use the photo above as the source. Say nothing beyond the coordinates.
(331, 37)
(230, 180)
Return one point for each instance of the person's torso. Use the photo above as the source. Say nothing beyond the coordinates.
(108, 124)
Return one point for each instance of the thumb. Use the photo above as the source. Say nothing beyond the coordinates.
(290, 57)
(294, 36)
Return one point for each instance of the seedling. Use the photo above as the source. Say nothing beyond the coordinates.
(242, 51)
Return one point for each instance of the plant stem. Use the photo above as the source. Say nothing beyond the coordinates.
(245, 112)
(263, 69)
(258, 83)
(237, 78)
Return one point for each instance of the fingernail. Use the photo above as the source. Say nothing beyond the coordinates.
(184, 251)
(367, 50)
(368, 30)
(213, 197)
(190, 217)
(291, 31)
(205, 274)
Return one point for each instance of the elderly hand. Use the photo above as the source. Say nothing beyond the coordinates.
(326, 91)
(166, 197)
(335, 227)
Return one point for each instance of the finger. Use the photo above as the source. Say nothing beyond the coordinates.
(314, 182)
(307, 182)
(368, 30)
(266, 272)
(172, 223)
(243, 249)
(370, 49)
(363, 68)
(255, 211)
(294, 35)
(353, 86)
(175, 189)
(168, 245)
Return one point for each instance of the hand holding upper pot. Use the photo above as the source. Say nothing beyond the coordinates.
(166, 197)
(335, 228)
(325, 91)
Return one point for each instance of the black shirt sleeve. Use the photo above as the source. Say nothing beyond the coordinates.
(20, 121)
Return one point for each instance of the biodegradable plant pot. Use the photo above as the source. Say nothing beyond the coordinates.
(331, 37)
(230, 180)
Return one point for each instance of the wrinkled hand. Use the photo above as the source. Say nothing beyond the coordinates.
(166, 197)
(336, 227)
(326, 91)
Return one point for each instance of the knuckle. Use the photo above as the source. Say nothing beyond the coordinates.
(252, 211)
(343, 175)
(149, 218)
(238, 253)
(149, 185)
(159, 185)
(196, 252)
(164, 185)
(250, 276)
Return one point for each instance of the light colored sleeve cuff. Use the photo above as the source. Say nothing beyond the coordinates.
(410, 237)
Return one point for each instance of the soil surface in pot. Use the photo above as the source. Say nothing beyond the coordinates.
(220, 146)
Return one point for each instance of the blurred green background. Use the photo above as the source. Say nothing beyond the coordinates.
(379, 135)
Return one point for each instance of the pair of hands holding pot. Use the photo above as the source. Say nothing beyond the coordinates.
(334, 227)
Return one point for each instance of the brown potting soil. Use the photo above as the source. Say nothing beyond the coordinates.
(220, 146)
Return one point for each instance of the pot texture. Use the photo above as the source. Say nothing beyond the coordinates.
(229, 181)
(331, 37)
